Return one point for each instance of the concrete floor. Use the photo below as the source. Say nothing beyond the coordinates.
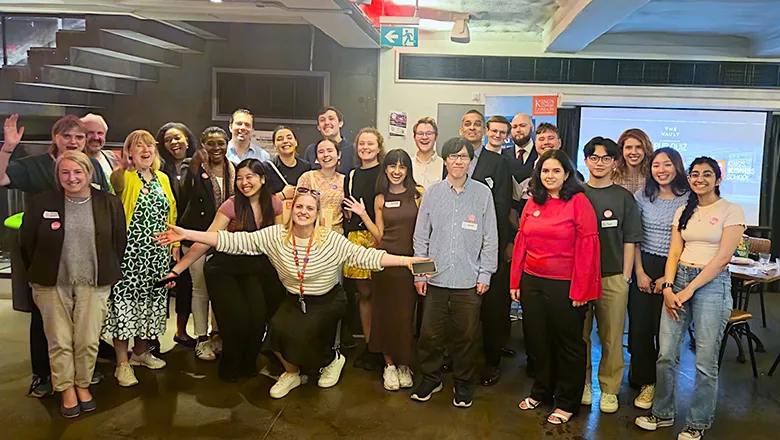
(187, 401)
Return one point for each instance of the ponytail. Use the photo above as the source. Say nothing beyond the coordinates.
(690, 207)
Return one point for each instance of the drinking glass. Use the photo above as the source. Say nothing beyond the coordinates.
(764, 258)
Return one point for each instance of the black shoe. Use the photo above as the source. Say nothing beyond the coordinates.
(40, 387)
(369, 361)
(70, 413)
(187, 342)
(508, 352)
(447, 366)
(97, 377)
(462, 398)
(426, 388)
(88, 406)
(490, 376)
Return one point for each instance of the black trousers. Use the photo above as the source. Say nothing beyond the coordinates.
(496, 304)
(237, 292)
(451, 321)
(555, 329)
(644, 320)
(39, 346)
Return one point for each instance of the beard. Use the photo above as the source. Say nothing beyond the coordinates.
(93, 147)
(521, 141)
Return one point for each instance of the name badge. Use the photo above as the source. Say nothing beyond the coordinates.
(393, 204)
(609, 223)
(489, 182)
(50, 215)
(468, 225)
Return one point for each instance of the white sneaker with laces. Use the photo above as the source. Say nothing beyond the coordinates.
(609, 403)
(147, 360)
(587, 395)
(330, 375)
(125, 375)
(204, 351)
(216, 343)
(390, 377)
(286, 383)
(645, 398)
(405, 377)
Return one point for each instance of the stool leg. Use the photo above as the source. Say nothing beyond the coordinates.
(763, 311)
(723, 344)
(752, 352)
(774, 366)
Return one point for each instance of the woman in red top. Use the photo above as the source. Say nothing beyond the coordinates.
(556, 268)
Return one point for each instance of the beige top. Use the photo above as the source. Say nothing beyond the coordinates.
(427, 173)
(705, 229)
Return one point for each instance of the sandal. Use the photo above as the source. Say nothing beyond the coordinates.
(529, 404)
(558, 418)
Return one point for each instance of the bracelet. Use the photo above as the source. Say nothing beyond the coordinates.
(6, 152)
(403, 261)
(174, 272)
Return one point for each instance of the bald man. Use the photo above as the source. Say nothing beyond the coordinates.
(96, 140)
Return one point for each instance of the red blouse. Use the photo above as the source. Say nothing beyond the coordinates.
(559, 240)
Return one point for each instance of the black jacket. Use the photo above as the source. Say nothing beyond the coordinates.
(196, 200)
(41, 245)
(494, 170)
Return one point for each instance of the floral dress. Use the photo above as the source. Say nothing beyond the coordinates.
(135, 307)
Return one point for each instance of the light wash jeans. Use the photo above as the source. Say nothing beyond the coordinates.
(709, 309)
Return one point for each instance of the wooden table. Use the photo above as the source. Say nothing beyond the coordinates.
(755, 273)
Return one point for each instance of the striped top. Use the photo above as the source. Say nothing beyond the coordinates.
(657, 219)
(325, 260)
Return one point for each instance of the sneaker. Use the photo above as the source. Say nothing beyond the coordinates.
(405, 377)
(40, 387)
(216, 343)
(645, 398)
(690, 434)
(390, 377)
(125, 375)
(204, 351)
(147, 360)
(609, 403)
(462, 398)
(587, 395)
(97, 377)
(286, 383)
(330, 375)
(426, 388)
(651, 422)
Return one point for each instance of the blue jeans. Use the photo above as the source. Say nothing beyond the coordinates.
(709, 309)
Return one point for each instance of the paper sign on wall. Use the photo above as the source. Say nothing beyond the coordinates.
(545, 106)
(264, 139)
(398, 124)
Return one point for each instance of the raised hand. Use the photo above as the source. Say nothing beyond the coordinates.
(11, 133)
(352, 205)
(172, 235)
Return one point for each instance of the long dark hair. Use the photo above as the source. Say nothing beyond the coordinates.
(693, 199)
(284, 127)
(168, 164)
(570, 186)
(245, 217)
(679, 183)
(393, 157)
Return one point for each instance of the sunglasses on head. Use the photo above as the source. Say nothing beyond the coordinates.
(303, 190)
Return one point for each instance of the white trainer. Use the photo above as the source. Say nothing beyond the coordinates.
(286, 383)
(204, 351)
(587, 395)
(125, 375)
(645, 398)
(609, 403)
(329, 376)
(216, 343)
(147, 360)
(390, 377)
(405, 377)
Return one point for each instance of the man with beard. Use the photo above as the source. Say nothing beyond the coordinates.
(240, 147)
(472, 127)
(330, 121)
(96, 140)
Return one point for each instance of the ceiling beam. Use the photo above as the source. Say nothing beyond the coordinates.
(578, 22)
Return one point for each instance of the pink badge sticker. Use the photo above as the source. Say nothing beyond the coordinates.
(537, 213)
(472, 219)
(204, 175)
(607, 213)
(55, 226)
(145, 190)
(713, 221)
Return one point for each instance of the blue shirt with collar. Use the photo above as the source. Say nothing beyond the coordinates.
(254, 152)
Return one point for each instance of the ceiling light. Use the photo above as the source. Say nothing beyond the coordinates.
(215, 1)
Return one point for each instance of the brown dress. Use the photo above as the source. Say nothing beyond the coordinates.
(394, 296)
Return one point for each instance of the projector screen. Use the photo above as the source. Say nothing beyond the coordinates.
(735, 139)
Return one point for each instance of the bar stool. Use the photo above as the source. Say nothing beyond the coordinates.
(774, 365)
(738, 325)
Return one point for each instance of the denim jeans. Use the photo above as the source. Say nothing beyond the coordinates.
(709, 309)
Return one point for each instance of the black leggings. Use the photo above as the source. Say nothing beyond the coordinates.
(644, 320)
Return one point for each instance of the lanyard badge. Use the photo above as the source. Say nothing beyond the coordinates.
(301, 270)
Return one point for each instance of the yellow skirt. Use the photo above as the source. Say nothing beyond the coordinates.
(365, 239)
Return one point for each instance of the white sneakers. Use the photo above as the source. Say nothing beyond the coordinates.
(147, 360)
(609, 403)
(405, 377)
(645, 398)
(395, 378)
(587, 395)
(204, 351)
(125, 375)
(286, 383)
(330, 375)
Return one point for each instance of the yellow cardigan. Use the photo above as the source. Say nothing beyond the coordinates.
(128, 186)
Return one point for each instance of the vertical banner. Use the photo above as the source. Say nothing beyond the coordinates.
(541, 108)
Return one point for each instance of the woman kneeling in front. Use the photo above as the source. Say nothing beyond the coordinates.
(308, 259)
(72, 244)
(697, 288)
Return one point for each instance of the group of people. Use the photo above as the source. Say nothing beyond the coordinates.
(273, 254)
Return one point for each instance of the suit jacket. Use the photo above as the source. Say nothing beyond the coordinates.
(41, 244)
(196, 200)
(494, 170)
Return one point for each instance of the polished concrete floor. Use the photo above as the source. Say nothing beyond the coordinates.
(187, 401)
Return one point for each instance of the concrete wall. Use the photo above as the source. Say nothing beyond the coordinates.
(184, 95)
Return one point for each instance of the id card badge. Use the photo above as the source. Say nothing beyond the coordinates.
(303, 305)
(393, 204)
(469, 225)
(51, 215)
(609, 223)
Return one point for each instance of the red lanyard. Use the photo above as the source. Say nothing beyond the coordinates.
(301, 270)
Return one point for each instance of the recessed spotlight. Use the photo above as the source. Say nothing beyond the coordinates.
(215, 1)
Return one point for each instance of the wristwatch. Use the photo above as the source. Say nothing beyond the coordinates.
(665, 285)
(628, 280)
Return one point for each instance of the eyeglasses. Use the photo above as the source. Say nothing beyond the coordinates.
(498, 132)
(303, 190)
(425, 134)
(454, 157)
(606, 160)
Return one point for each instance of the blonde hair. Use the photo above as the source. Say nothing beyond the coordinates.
(319, 232)
(134, 138)
(380, 156)
(77, 157)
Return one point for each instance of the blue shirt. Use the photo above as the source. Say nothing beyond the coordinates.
(459, 233)
(254, 152)
(473, 164)
(657, 217)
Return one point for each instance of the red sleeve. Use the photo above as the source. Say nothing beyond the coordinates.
(586, 276)
(228, 209)
(278, 206)
(518, 255)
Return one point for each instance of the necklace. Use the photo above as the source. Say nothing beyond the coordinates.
(301, 270)
(77, 202)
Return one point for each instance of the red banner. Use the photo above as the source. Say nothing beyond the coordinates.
(545, 106)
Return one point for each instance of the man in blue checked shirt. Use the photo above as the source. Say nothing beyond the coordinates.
(240, 147)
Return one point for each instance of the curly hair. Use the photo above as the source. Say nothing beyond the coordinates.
(693, 198)
(570, 186)
(380, 141)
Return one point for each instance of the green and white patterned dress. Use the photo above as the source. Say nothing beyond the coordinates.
(135, 307)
